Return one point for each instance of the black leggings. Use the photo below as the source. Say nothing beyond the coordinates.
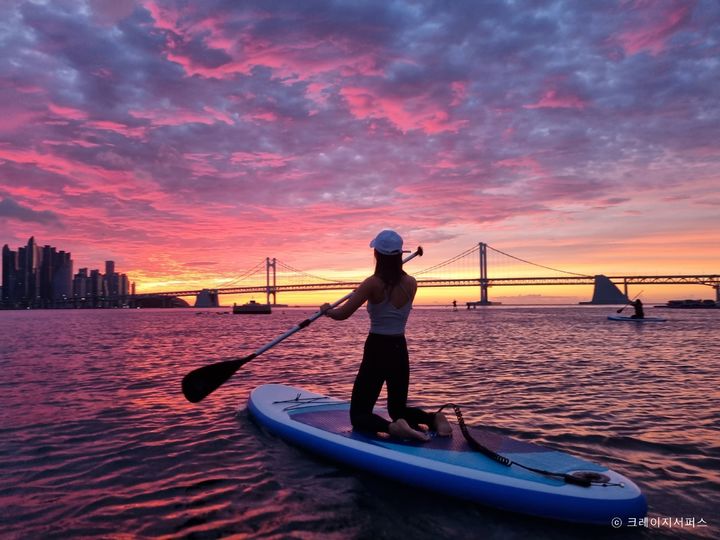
(385, 360)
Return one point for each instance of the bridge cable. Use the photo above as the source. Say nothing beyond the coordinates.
(248, 273)
(305, 274)
(538, 265)
(445, 263)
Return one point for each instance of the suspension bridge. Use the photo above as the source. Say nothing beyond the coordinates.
(481, 266)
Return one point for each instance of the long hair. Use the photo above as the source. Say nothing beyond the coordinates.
(389, 269)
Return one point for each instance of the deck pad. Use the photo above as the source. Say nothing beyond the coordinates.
(454, 450)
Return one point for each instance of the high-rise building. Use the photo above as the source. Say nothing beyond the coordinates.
(97, 284)
(29, 268)
(62, 277)
(124, 285)
(10, 269)
(112, 279)
(55, 276)
(81, 284)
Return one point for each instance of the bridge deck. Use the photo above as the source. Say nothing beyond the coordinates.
(709, 280)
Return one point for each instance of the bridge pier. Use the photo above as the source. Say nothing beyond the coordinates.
(606, 292)
(207, 298)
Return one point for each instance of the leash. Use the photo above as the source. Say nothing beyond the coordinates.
(580, 478)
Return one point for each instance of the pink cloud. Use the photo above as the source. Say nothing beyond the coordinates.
(264, 116)
(29, 89)
(13, 119)
(460, 91)
(68, 113)
(301, 61)
(259, 159)
(406, 114)
(122, 129)
(165, 18)
(71, 142)
(655, 27)
(554, 99)
(299, 57)
(523, 162)
(178, 117)
(96, 178)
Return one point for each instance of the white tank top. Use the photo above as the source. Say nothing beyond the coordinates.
(388, 320)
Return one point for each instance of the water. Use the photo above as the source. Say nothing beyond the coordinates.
(96, 440)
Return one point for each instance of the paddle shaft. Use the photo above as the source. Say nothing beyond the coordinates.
(201, 382)
(630, 302)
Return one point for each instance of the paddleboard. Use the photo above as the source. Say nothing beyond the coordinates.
(646, 319)
(448, 465)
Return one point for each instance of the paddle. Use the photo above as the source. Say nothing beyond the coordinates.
(630, 302)
(203, 381)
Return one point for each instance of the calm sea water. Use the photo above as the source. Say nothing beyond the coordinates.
(96, 440)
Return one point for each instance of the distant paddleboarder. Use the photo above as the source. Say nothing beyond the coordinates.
(639, 312)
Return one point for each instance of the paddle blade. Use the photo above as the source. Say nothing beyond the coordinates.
(203, 381)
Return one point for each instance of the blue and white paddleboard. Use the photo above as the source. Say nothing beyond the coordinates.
(646, 319)
(448, 465)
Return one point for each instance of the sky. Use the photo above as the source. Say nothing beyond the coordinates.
(187, 141)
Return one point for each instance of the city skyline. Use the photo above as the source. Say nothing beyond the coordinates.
(189, 142)
(38, 276)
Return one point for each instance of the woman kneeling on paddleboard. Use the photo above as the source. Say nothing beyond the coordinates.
(389, 294)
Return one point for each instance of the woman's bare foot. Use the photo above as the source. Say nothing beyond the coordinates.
(442, 426)
(402, 430)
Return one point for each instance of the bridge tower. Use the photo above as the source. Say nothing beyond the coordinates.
(270, 289)
(482, 251)
(484, 280)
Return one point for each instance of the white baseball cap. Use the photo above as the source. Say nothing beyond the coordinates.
(388, 242)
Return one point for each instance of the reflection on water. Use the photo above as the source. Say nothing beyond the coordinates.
(97, 441)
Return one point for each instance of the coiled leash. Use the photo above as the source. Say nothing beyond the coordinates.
(579, 478)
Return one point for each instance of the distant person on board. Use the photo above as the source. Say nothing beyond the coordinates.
(389, 294)
(639, 312)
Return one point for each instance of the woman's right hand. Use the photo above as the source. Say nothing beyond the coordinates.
(325, 308)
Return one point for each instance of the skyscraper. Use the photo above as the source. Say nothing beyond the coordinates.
(10, 269)
(112, 279)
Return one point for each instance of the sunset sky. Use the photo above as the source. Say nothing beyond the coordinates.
(187, 141)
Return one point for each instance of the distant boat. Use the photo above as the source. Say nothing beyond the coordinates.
(252, 308)
(691, 304)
